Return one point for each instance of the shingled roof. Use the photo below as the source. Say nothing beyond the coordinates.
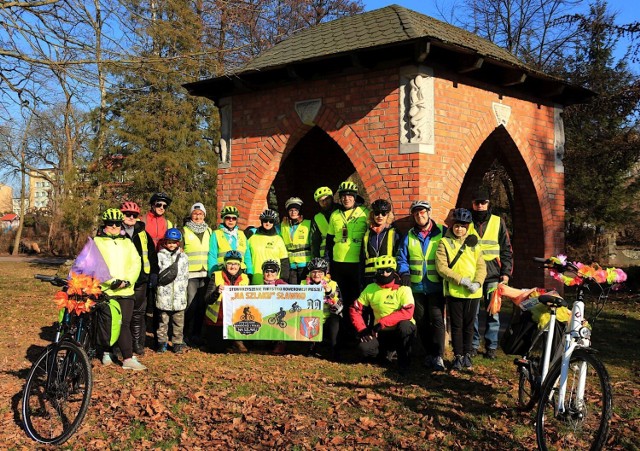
(392, 35)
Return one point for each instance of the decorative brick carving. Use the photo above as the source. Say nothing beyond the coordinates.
(308, 110)
(416, 110)
(223, 148)
(558, 138)
(502, 113)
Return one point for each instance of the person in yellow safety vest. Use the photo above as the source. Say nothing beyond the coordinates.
(134, 229)
(347, 226)
(231, 274)
(417, 268)
(296, 234)
(320, 223)
(196, 235)
(495, 243)
(123, 261)
(265, 244)
(459, 262)
(228, 237)
(381, 238)
(332, 308)
(392, 305)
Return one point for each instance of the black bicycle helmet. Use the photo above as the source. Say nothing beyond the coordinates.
(381, 205)
(162, 197)
(271, 264)
(269, 215)
(318, 264)
(462, 216)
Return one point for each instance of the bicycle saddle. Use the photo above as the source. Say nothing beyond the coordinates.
(552, 300)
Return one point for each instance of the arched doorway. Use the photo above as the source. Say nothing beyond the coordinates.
(499, 164)
(316, 160)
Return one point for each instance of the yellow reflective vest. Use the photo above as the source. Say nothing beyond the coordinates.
(323, 227)
(123, 261)
(417, 259)
(218, 279)
(326, 312)
(385, 301)
(144, 244)
(298, 242)
(348, 229)
(465, 266)
(489, 241)
(224, 246)
(196, 250)
(369, 260)
(262, 248)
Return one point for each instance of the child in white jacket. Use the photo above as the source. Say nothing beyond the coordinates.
(171, 297)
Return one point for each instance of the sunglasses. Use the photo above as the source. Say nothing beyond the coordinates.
(480, 202)
(160, 205)
(113, 224)
(130, 215)
(384, 271)
(269, 271)
(268, 221)
(231, 218)
(380, 213)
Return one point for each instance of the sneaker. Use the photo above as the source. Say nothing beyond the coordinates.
(280, 348)
(238, 346)
(178, 348)
(428, 362)
(162, 347)
(106, 359)
(133, 364)
(457, 363)
(467, 363)
(474, 352)
(438, 364)
(490, 354)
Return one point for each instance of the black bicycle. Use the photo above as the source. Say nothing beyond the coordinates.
(58, 389)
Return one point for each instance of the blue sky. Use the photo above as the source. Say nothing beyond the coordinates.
(627, 12)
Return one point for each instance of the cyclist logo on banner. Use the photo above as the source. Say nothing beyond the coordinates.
(266, 312)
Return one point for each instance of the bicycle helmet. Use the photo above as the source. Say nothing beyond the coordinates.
(322, 192)
(293, 202)
(381, 205)
(385, 262)
(269, 215)
(271, 264)
(318, 264)
(173, 234)
(229, 210)
(233, 256)
(419, 204)
(112, 214)
(163, 197)
(347, 187)
(130, 207)
(462, 216)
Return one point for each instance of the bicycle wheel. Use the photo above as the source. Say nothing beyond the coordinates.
(57, 393)
(530, 373)
(585, 422)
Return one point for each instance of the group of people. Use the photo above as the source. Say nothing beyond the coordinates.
(382, 287)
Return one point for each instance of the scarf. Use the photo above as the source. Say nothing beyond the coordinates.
(197, 228)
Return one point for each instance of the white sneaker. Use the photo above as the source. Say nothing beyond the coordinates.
(106, 359)
(131, 364)
(438, 364)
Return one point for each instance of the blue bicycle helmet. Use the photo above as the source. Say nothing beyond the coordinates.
(173, 234)
(233, 256)
(462, 216)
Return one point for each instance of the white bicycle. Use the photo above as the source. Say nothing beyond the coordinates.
(571, 384)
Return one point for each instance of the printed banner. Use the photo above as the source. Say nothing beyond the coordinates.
(267, 312)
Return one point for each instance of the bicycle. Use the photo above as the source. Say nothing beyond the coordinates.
(571, 385)
(58, 390)
(295, 308)
(277, 320)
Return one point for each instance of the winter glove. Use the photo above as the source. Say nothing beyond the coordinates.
(406, 280)
(335, 308)
(116, 284)
(466, 282)
(365, 335)
(153, 281)
(475, 286)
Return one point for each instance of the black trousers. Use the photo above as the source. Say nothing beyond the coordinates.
(463, 314)
(125, 342)
(347, 276)
(429, 317)
(297, 275)
(138, 320)
(398, 339)
(196, 308)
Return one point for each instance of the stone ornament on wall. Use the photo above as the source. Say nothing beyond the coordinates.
(308, 110)
(223, 148)
(417, 110)
(558, 138)
(502, 113)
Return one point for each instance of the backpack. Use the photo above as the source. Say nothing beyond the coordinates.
(169, 274)
(108, 323)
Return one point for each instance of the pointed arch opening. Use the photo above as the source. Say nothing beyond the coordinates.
(499, 165)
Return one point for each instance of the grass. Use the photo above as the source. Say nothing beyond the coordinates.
(260, 401)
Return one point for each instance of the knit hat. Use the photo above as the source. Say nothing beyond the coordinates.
(481, 193)
(198, 206)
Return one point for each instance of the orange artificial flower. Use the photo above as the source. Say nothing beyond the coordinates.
(61, 299)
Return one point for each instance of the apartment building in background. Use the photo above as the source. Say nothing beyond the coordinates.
(6, 196)
(40, 189)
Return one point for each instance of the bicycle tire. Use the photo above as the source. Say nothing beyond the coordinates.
(273, 321)
(57, 393)
(530, 375)
(584, 426)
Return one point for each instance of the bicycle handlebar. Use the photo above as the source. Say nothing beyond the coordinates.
(53, 280)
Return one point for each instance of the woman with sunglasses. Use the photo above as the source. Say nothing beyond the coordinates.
(381, 238)
(134, 229)
(392, 303)
(228, 237)
(266, 244)
(123, 261)
(156, 222)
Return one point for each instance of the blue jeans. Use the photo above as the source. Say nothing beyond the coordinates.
(493, 321)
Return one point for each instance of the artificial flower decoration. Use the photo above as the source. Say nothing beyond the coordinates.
(594, 271)
(79, 297)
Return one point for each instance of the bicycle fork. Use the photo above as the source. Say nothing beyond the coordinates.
(571, 339)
